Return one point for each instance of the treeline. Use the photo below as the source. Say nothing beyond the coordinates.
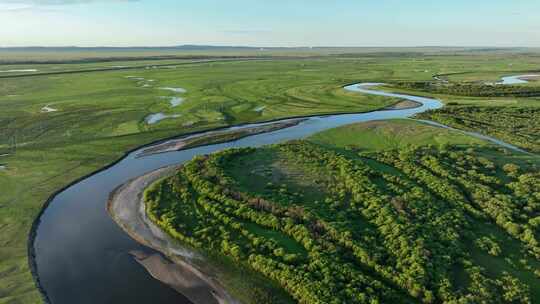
(519, 126)
(376, 236)
(470, 89)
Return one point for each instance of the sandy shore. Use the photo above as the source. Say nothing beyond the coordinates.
(404, 104)
(214, 137)
(530, 77)
(128, 210)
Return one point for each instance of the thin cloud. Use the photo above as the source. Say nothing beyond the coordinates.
(246, 32)
(21, 6)
(28, 3)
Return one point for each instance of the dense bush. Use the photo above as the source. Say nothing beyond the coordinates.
(517, 126)
(471, 89)
(409, 233)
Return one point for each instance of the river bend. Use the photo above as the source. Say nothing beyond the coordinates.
(81, 255)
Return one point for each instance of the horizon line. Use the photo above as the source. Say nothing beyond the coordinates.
(265, 47)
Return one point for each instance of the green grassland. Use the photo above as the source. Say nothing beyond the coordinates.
(519, 126)
(342, 218)
(512, 119)
(35, 69)
(101, 114)
(508, 112)
(382, 135)
(492, 76)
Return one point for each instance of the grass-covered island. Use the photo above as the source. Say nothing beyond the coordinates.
(379, 212)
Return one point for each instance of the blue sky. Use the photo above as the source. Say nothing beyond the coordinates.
(270, 22)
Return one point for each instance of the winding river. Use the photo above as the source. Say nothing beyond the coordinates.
(81, 255)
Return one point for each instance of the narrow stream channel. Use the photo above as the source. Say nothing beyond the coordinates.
(81, 255)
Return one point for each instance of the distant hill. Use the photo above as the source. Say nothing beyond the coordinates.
(70, 54)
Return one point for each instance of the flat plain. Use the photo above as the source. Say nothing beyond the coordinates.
(59, 127)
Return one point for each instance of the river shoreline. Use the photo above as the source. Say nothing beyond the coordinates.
(126, 207)
(35, 225)
(216, 137)
(403, 105)
(32, 256)
(129, 160)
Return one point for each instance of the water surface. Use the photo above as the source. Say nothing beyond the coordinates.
(516, 79)
(19, 71)
(175, 90)
(176, 101)
(157, 117)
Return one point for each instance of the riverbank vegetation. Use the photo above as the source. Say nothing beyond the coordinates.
(338, 218)
(217, 137)
(471, 89)
(100, 114)
(519, 126)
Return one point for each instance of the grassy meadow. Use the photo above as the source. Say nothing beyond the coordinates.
(58, 127)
